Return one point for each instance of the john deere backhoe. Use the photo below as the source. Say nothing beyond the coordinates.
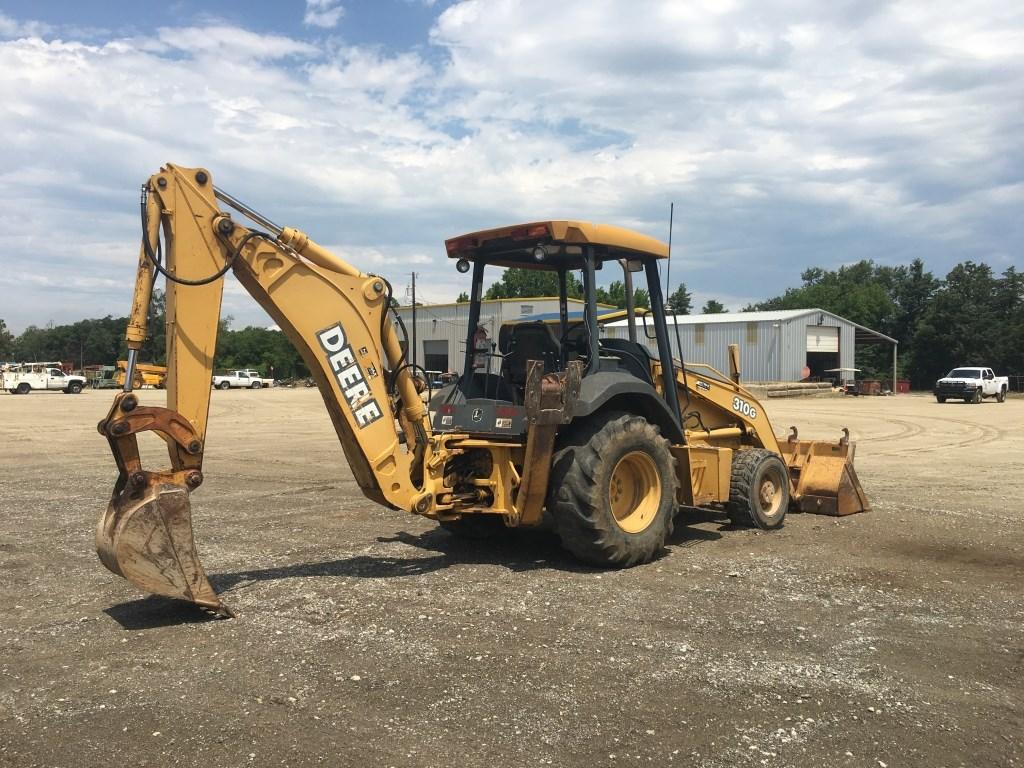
(598, 437)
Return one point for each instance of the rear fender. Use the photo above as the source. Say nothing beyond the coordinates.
(622, 392)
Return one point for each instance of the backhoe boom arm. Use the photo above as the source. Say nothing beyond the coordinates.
(334, 315)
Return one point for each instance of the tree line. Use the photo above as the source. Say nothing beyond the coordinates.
(100, 341)
(972, 316)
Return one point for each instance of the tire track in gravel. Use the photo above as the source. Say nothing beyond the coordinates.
(983, 434)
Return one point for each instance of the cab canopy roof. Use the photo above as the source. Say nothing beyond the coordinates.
(562, 241)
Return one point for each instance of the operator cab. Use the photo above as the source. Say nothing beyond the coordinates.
(489, 396)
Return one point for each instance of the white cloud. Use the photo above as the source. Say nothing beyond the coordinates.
(787, 134)
(323, 13)
(11, 28)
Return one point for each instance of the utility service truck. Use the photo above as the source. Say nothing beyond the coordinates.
(49, 377)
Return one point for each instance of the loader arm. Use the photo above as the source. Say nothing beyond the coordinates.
(334, 315)
(721, 412)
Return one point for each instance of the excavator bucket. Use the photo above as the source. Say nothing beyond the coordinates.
(147, 538)
(824, 480)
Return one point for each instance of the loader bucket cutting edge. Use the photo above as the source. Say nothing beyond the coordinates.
(824, 479)
(148, 540)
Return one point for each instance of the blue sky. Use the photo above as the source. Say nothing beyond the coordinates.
(788, 134)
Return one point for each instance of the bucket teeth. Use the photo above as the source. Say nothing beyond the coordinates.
(147, 538)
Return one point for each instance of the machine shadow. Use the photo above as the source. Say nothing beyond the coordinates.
(517, 551)
(686, 534)
(154, 611)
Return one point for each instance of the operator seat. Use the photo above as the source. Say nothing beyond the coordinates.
(530, 341)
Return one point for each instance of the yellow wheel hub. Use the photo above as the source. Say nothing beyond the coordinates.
(634, 492)
(769, 494)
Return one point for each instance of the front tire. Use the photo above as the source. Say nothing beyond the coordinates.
(74, 388)
(759, 489)
(940, 398)
(976, 397)
(613, 491)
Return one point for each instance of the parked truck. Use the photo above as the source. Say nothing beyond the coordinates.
(22, 378)
(247, 379)
(971, 385)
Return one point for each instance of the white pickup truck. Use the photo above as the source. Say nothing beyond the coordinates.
(248, 379)
(971, 385)
(22, 379)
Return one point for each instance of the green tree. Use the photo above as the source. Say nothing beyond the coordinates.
(962, 324)
(517, 283)
(615, 294)
(267, 351)
(463, 298)
(680, 302)
(713, 307)
(6, 342)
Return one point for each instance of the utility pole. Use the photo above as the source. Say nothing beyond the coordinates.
(413, 356)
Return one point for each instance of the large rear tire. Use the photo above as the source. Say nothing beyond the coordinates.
(940, 398)
(758, 489)
(24, 388)
(223, 385)
(1001, 397)
(256, 385)
(613, 491)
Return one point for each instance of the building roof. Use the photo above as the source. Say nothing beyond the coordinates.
(862, 333)
(734, 317)
(522, 300)
(605, 316)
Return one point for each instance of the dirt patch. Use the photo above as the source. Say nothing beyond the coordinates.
(367, 637)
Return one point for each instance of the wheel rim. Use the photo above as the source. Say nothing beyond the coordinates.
(634, 492)
(770, 492)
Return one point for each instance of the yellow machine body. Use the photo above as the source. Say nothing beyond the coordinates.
(336, 317)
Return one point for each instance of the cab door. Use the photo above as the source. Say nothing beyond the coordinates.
(55, 378)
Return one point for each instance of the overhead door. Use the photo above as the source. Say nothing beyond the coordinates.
(435, 354)
(822, 338)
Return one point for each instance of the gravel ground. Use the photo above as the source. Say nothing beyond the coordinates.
(368, 637)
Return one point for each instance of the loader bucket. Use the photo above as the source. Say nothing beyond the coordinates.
(824, 480)
(147, 539)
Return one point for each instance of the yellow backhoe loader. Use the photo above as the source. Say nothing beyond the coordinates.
(599, 437)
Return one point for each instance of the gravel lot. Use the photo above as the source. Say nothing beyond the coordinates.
(368, 637)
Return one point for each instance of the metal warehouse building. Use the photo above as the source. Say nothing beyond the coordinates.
(774, 346)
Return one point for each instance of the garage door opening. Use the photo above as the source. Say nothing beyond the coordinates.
(435, 355)
(822, 350)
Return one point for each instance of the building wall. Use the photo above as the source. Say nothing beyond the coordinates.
(771, 350)
(450, 322)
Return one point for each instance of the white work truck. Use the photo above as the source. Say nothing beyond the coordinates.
(971, 385)
(26, 377)
(247, 379)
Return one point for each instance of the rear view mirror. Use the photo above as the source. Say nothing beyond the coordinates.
(634, 265)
